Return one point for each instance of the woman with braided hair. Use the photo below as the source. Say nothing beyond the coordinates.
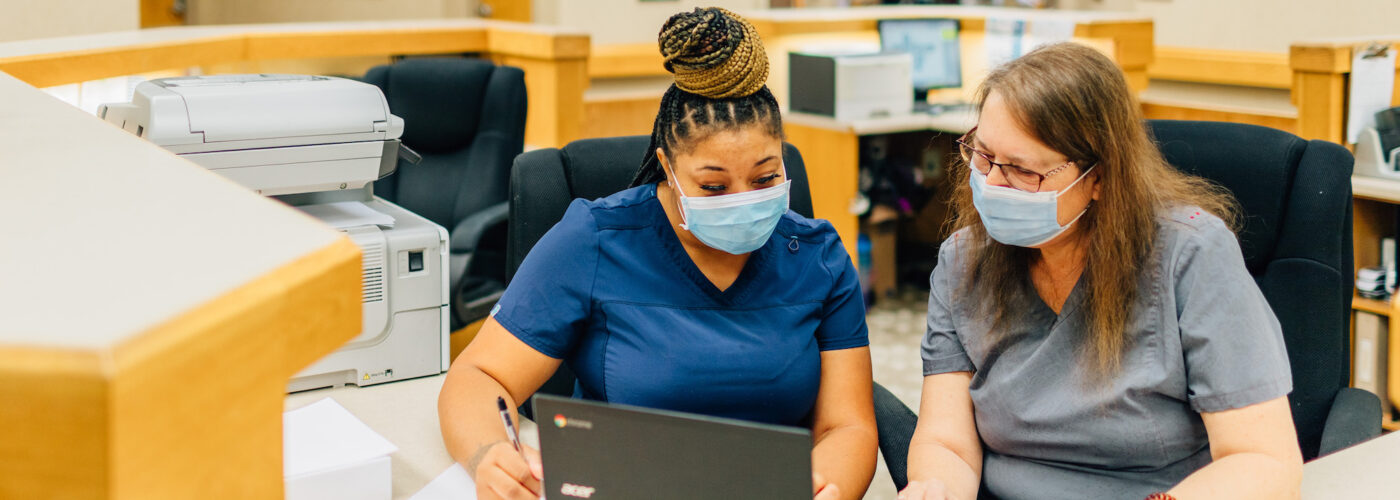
(694, 290)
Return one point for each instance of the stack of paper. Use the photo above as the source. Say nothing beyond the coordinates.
(347, 214)
(328, 453)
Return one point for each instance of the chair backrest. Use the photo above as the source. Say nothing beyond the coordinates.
(1295, 199)
(466, 117)
(543, 183)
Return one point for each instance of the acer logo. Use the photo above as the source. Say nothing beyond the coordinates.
(575, 490)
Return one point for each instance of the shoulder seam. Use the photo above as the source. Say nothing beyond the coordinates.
(829, 246)
(818, 237)
(597, 252)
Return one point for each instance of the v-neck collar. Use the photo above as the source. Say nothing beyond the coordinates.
(1070, 306)
(671, 241)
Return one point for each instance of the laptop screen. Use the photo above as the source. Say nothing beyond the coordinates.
(603, 451)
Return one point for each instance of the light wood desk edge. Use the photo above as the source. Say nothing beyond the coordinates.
(554, 60)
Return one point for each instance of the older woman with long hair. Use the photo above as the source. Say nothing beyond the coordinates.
(1092, 329)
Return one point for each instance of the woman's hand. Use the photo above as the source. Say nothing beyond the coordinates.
(502, 473)
(823, 489)
(931, 489)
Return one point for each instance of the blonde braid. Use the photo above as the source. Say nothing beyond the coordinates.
(714, 53)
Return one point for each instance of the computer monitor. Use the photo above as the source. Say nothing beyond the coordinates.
(933, 43)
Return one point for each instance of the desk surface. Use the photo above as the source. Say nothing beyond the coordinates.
(405, 413)
(957, 121)
(1364, 471)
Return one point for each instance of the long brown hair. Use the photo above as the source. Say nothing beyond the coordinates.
(1076, 101)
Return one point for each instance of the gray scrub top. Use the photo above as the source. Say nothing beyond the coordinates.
(1203, 340)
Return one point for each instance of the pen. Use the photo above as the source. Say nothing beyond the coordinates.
(510, 427)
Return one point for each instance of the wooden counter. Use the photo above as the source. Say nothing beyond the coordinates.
(554, 59)
(153, 313)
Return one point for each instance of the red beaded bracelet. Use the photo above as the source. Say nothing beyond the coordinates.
(1159, 496)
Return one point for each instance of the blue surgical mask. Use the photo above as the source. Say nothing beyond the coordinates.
(1019, 218)
(735, 223)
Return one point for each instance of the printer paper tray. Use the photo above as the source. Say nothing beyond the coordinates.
(297, 169)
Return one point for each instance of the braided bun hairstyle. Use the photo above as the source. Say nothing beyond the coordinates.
(720, 72)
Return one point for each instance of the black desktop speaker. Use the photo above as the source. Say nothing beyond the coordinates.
(812, 84)
(1388, 128)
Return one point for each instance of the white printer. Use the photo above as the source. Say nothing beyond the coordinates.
(318, 143)
(851, 85)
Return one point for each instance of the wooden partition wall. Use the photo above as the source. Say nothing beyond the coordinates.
(1126, 38)
(1321, 72)
(554, 60)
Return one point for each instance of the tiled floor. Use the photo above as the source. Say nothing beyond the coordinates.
(896, 326)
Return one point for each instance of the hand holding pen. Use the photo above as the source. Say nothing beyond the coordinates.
(510, 426)
(503, 473)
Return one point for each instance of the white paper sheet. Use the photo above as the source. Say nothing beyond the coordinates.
(1048, 31)
(324, 435)
(1005, 40)
(347, 214)
(453, 484)
(1372, 79)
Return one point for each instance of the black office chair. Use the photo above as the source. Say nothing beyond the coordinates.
(466, 118)
(1295, 197)
(543, 183)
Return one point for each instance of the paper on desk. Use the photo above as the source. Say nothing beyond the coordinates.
(324, 435)
(453, 484)
(1005, 40)
(1372, 78)
(347, 214)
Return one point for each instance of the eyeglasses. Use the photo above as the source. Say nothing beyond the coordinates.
(1018, 177)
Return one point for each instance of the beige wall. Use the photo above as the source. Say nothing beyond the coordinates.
(26, 19)
(1255, 25)
(624, 21)
(273, 11)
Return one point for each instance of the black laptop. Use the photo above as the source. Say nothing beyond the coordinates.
(604, 451)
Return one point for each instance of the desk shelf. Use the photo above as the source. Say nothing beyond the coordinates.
(1374, 210)
(1373, 306)
(1376, 188)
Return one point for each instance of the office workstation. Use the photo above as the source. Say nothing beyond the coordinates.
(1339, 83)
(835, 142)
(201, 271)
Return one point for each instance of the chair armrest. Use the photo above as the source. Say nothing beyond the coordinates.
(1355, 417)
(468, 232)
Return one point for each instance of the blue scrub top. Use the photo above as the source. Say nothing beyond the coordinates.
(611, 291)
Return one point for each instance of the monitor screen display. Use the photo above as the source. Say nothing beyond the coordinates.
(933, 43)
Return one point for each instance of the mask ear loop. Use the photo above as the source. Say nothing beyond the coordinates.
(676, 186)
(1081, 212)
(1075, 183)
